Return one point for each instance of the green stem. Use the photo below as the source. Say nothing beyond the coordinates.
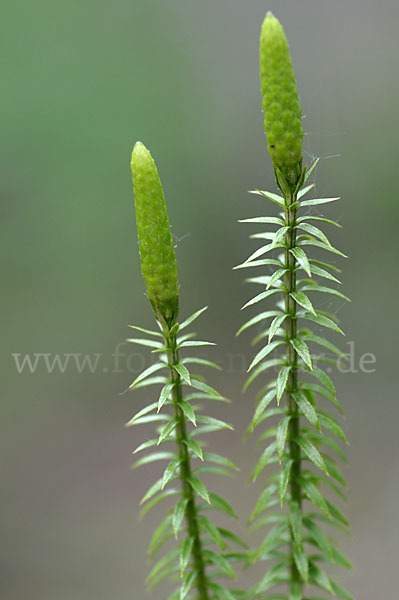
(191, 512)
(292, 360)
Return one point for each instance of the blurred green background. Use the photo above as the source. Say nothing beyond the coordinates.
(81, 82)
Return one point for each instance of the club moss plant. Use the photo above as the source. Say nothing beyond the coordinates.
(302, 433)
(302, 438)
(200, 555)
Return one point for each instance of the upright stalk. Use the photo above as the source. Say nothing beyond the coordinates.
(292, 361)
(304, 426)
(159, 267)
(191, 513)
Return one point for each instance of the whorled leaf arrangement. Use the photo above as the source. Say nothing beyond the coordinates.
(296, 399)
(200, 557)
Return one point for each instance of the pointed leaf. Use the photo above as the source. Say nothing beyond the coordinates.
(318, 244)
(161, 564)
(301, 299)
(148, 419)
(323, 321)
(178, 515)
(336, 513)
(317, 218)
(199, 361)
(270, 196)
(259, 297)
(277, 275)
(212, 530)
(317, 201)
(194, 344)
(323, 273)
(281, 436)
(199, 487)
(305, 190)
(284, 478)
(315, 231)
(324, 379)
(164, 395)
(332, 426)
(152, 458)
(263, 404)
(307, 409)
(219, 561)
(281, 383)
(276, 533)
(340, 591)
(320, 578)
(166, 431)
(183, 372)
(154, 489)
(312, 453)
(221, 592)
(217, 423)
(295, 518)
(220, 460)
(258, 263)
(302, 350)
(151, 369)
(275, 325)
(188, 411)
(330, 442)
(219, 503)
(313, 494)
(302, 259)
(272, 577)
(161, 534)
(195, 448)
(185, 554)
(324, 290)
(318, 535)
(162, 496)
(145, 445)
(232, 537)
(148, 331)
(141, 413)
(301, 562)
(213, 470)
(151, 381)
(263, 501)
(262, 251)
(335, 473)
(170, 471)
(340, 559)
(192, 318)
(309, 337)
(203, 387)
(272, 220)
(187, 584)
(310, 170)
(263, 461)
(144, 342)
(256, 319)
(263, 353)
(262, 368)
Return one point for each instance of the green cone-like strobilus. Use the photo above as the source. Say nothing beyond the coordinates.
(157, 253)
(282, 112)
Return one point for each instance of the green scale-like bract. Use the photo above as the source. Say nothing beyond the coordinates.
(158, 259)
(282, 111)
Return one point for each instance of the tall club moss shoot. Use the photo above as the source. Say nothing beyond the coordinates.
(295, 406)
(200, 554)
